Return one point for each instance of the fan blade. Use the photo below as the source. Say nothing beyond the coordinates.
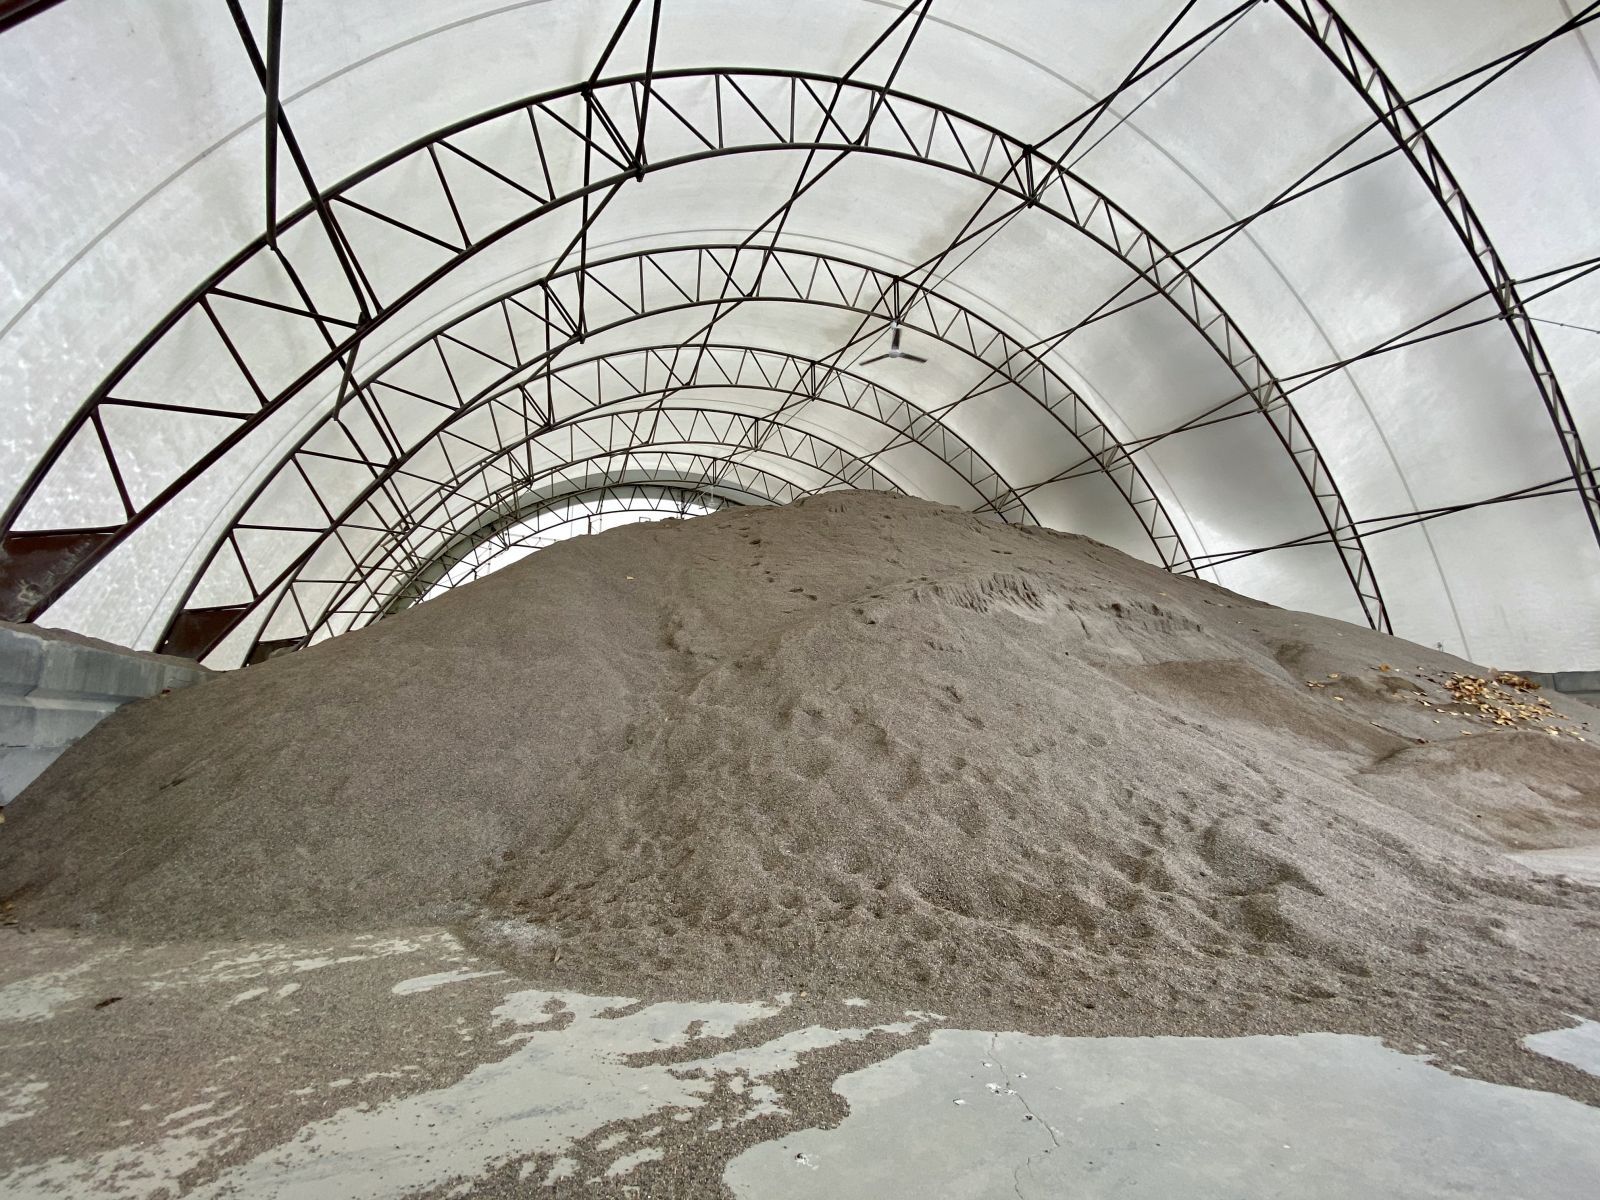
(913, 357)
(867, 362)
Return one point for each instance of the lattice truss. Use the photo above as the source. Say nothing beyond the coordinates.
(357, 450)
(508, 536)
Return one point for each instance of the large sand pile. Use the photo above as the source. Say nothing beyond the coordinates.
(873, 746)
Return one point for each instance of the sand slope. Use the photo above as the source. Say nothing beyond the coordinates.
(864, 742)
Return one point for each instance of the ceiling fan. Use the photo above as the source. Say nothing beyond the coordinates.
(894, 350)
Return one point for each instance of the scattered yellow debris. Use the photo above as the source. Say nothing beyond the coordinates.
(1494, 703)
(1502, 699)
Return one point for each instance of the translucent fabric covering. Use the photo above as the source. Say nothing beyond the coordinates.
(1302, 299)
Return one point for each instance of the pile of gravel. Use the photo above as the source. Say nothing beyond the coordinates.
(871, 746)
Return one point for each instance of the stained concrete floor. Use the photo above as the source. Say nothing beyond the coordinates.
(401, 1065)
(976, 1114)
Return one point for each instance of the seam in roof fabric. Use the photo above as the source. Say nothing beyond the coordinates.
(1301, 299)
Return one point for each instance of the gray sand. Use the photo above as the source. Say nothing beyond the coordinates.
(868, 745)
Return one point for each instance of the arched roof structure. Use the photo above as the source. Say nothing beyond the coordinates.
(304, 303)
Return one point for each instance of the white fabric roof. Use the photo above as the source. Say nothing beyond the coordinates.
(1300, 298)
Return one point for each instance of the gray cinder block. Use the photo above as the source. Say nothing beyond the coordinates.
(55, 686)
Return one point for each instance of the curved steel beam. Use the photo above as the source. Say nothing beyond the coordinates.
(738, 367)
(504, 522)
(750, 486)
(797, 276)
(1320, 22)
(678, 430)
(896, 125)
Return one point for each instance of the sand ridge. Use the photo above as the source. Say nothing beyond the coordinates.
(869, 745)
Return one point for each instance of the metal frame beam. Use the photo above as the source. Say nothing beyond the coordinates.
(1339, 44)
(804, 449)
(739, 368)
(969, 147)
(508, 529)
(632, 282)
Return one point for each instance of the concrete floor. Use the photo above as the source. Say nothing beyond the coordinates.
(976, 1114)
(401, 1065)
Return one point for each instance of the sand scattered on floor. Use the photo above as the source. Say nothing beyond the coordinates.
(868, 746)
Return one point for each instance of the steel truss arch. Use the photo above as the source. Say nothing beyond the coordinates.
(501, 525)
(797, 276)
(1323, 25)
(684, 471)
(681, 432)
(743, 484)
(740, 368)
(864, 120)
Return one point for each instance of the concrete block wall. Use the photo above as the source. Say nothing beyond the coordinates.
(56, 686)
